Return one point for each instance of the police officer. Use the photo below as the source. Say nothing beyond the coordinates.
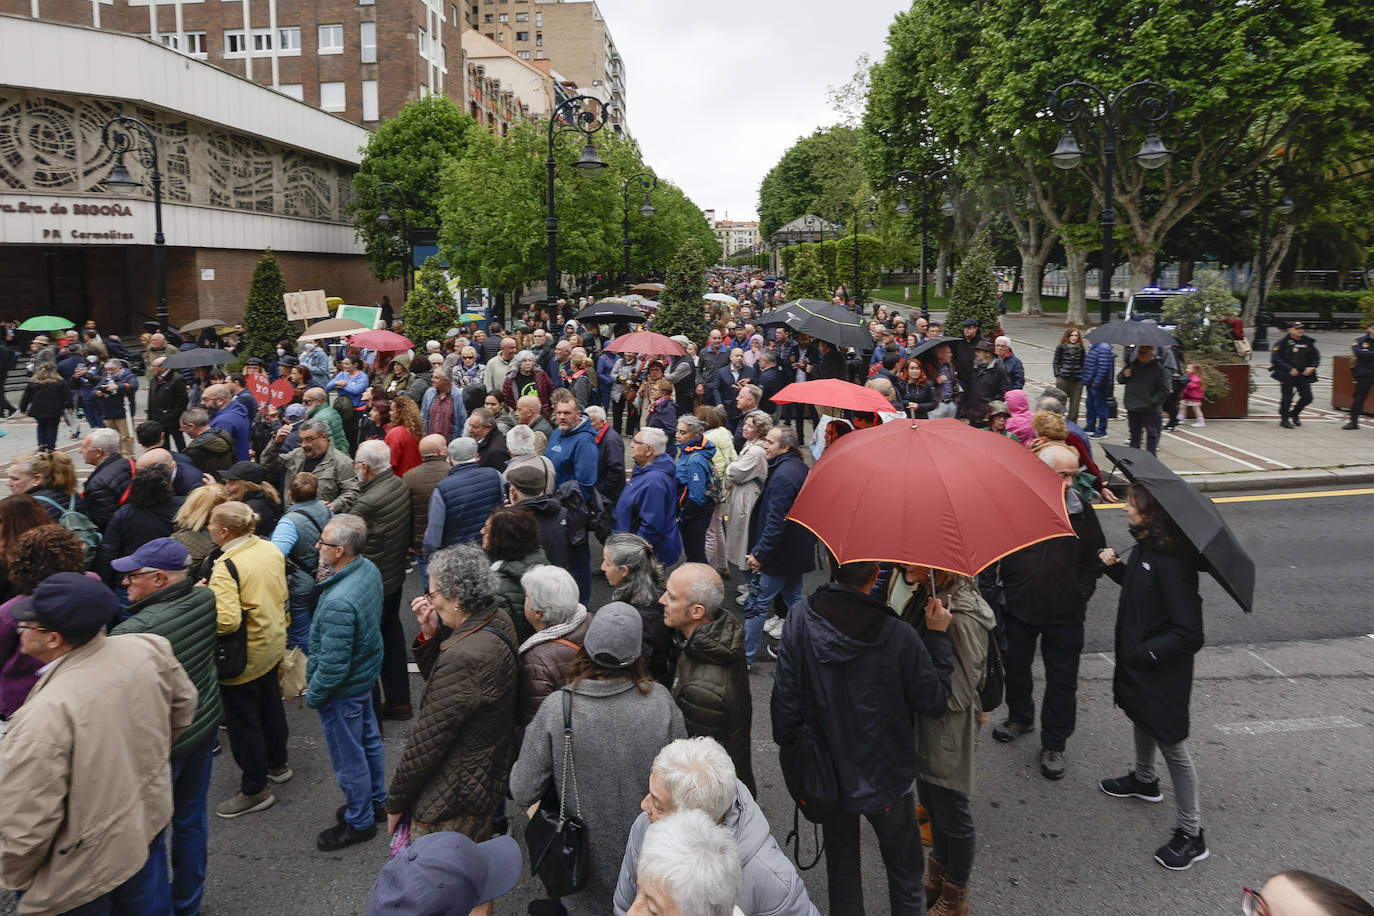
(1293, 364)
(1362, 367)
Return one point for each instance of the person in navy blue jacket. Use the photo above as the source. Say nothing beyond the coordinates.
(782, 551)
(648, 506)
(1099, 371)
(729, 380)
(575, 455)
(230, 416)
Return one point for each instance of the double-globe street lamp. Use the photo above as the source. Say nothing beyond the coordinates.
(907, 177)
(119, 135)
(852, 211)
(1283, 206)
(583, 115)
(389, 191)
(648, 182)
(1078, 100)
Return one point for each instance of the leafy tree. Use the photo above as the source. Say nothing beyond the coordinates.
(975, 289)
(679, 307)
(789, 257)
(431, 308)
(806, 279)
(813, 176)
(264, 316)
(870, 262)
(1205, 339)
(410, 151)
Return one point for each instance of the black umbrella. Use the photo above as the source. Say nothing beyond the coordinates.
(197, 357)
(610, 310)
(1130, 333)
(823, 321)
(1196, 516)
(927, 346)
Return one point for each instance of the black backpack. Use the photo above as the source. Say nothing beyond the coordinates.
(994, 677)
(808, 769)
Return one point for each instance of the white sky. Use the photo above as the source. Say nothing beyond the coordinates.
(719, 89)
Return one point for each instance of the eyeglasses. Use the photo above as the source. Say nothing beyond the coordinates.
(1252, 904)
(323, 543)
(141, 572)
(30, 626)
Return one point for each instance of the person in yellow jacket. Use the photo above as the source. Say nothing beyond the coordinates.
(249, 581)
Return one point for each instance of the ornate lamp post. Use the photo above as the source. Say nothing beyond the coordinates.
(583, 115)
(1077, 101)
(647, 181)
(386, 190)
(1283, 206)
(907, 177)
(853, 210)
(120, 136)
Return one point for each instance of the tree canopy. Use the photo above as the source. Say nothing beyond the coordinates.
(813, 176)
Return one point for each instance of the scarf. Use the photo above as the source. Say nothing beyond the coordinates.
(556, 631)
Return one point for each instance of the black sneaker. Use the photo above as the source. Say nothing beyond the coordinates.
(1129, 787)
(1010, 730)
(340, 836)
(1296, 421)
(1286, 423)
(378, 814)
(1182, 851)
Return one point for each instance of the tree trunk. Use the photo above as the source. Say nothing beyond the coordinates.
(1278, 250)
(1033, 268)
(1077, 270)
(1142, 267)
(941, 262)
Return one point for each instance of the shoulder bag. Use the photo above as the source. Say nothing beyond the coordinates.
(231, 649)
(557, 840)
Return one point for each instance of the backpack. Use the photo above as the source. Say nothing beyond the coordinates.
(79, 525)
(715, 487)
(994, 677)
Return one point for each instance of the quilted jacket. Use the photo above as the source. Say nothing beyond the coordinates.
(457, 758)
(510, 596)
(384, 503)
(543, 665)
(345, 634)
(711, 687)
(459, 506)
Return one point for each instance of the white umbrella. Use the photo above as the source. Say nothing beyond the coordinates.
(720, 297)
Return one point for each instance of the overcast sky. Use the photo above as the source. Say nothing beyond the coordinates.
(719, 89)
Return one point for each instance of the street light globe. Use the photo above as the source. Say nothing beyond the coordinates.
(947, 208)
(383, 218)
(1249, 210)
(902, 207)
(589, 160)
(120, 181)
(1068, 153)
(647, 209)
(1153, 153)
(1284, 206)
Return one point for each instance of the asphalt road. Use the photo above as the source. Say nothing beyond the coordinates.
(1283, 729)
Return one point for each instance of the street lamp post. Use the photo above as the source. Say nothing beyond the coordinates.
(900, 181)
(1077, 100)
(1283, 207)
(119, 137)
(583, 115)
(386, 189)
(647, 181)
(853, 211)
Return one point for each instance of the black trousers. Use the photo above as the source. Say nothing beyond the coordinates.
(1060, 646)
(395, 672)
(256, 722)
(951, 830)
(1362, 386)
(899, 843)
(1302, 384)
(1147, 422)
(692, 524)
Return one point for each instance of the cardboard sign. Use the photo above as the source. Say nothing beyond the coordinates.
(306, 305)
(281, 392)
(259, 386)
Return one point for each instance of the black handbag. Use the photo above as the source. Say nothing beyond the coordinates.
(231, 649)
(557, 840)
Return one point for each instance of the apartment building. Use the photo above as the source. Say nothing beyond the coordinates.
(735, 235)
(503, 89)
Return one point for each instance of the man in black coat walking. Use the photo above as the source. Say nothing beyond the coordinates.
(1362, 367)
(1047, 587)
(1293, 364)
(988, 382)
(167, 400)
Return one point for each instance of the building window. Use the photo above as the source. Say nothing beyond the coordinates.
(333, 97)
(538, 55)
(170, 40)
(453, 14)
(539, 39)
(262, 41)
(522, 36)
(505, 17)
(489, 17)
(295, 90)
(289, 40)
(523, 55)
(370, 100)
(331, 39)
(539, 20)
(368, 33)
(235, 43)
(423, 43)
(491, 36)
(501, 37)
(195, 43)
(522, 17)
(365, 2)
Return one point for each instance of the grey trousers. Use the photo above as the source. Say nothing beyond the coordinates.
(1181, 773)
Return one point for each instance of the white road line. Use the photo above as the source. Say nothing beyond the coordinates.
(1189, 435)
(1285, 726)
(1253, 467)
(413, 668)
(1266, 663)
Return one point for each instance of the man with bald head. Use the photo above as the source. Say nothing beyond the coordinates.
(1047, 588)
(422, 479)
(317, 407)
(499, 366)
(529, 411)
(711, 680)
(230, 415)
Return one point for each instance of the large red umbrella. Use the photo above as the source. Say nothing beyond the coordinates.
(837, 393)
(381, 341)
(645, 342)
(930, 493)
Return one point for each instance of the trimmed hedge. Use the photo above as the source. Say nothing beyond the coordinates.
(1321, 301)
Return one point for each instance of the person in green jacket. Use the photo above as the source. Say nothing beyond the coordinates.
(317, 408)
(345, 659)
(165, 601)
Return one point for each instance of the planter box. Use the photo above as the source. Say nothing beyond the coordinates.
(1236, 404)
(1343, 386)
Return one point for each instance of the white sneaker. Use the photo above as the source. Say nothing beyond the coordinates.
(1200, 423)
(773, 627)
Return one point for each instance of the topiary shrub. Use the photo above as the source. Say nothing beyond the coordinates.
(975, 290)
(264, 316)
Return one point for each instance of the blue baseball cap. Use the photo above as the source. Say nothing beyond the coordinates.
(160, 553)
(69, 602)
(445, 874)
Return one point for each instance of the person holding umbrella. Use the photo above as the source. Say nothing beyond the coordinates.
(1147, 387)
(1158, 631)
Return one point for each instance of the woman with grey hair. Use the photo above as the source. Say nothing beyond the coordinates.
(745, 475)
(453, 772)
(560, 628)
(524, 449)
(527, 379)
(620, 720)
(638, 579)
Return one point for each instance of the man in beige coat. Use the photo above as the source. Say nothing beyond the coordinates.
(85, 764)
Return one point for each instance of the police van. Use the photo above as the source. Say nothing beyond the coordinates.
(1148, 303)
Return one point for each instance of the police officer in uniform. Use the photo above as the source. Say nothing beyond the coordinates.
(1362, 367)
(1293, 364)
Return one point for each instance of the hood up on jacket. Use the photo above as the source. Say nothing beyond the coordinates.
(851, 623)
(1019, 423)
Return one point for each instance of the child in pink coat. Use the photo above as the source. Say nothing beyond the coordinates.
(1191, 396)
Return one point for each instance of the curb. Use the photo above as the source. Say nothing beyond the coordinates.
(1296, 478)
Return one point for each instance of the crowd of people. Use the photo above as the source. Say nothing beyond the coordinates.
(219, 546)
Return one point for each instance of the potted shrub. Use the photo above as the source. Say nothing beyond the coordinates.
(1206, 340)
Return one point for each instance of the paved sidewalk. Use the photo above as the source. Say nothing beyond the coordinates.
(1233, 454)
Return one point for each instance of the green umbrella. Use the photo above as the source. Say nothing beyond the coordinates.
(46, 323)
(468, 317)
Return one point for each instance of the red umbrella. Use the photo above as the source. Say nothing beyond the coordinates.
(645, 342)
(833, 392)
(930, 493)
(381, 341)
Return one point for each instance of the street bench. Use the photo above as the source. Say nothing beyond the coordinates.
(1347, 319)
(1283, 319)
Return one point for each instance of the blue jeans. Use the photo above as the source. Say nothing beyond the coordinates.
(1095, 409)
(298, 629)
(355, 750)
(147, 892)
(763, 588)
(190, 826)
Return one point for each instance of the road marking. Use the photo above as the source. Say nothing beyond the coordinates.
(1106, 658)
(1221, 454)
(1285, 726)
(1191, 438)
(1264, 498)
(413, 668)
(1255, 655)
